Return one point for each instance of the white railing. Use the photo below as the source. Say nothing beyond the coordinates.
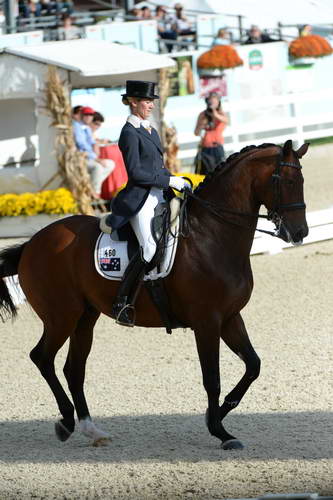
(277, 129)
(320, 224)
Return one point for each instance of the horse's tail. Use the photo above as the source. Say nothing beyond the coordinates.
(9, 261)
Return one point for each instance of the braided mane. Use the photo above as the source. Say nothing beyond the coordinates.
(231, 160)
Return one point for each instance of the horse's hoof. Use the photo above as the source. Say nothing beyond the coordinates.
(232, 444)
(103, 441)
(61, 431)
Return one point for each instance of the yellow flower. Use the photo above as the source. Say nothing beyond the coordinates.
(58, 201)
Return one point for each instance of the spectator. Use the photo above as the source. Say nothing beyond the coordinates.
(76, 113)
(62, 6)
(98, 169)
(68, 31)
(30, 8)
(135, 14)
(97, 122)
(222, 37)
(212, 123)
(56, 7)
(164, 27)
(256, 36)
(181, 24)
(146, 13)
(105, 149)
(46, 7)
(306, 30)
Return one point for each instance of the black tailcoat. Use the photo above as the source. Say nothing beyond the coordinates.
(143, 158)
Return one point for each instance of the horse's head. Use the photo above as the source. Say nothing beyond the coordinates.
(282, 193)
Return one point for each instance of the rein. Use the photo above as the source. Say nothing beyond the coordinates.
(272, 215)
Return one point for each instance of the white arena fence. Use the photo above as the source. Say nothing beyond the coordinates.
(275, 119)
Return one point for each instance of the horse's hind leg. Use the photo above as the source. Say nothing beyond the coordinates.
(208, 343)
(74, 370)
(234, 334)
(54, 336)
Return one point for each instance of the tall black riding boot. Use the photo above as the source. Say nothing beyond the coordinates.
(123, 307)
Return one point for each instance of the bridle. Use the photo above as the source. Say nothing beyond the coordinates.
(277, 181)
(274, 214)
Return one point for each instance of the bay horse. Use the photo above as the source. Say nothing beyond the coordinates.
(211, 280)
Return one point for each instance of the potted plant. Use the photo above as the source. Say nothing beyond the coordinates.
(217, 59)
(305, 49)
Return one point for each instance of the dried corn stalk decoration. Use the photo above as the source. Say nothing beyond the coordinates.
(168, 134)
(72, 164)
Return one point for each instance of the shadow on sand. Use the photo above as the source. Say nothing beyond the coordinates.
(173, 437)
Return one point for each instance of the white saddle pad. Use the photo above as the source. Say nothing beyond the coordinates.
(111, 256)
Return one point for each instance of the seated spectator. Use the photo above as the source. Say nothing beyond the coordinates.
(97, 122)
(256, 36)
(46, 6)
(181, 24)
(29, 8)
(222, 37)
(118, 177)
(76, 113)
(135, 14)
(306, 30)
(99, 169)
(68, 31)
(164, 27)
(146, 13)
(58, 7)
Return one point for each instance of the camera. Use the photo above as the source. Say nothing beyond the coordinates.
(209, 116)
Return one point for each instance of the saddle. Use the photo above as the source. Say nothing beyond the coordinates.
(114, 250)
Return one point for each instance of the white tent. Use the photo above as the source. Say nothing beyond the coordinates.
(93, 62)
(26, 137)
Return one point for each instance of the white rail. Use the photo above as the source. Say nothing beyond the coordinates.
(296, 124)
(320, 225)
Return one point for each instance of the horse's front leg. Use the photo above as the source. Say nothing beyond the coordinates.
(234, 334)
(208, 345)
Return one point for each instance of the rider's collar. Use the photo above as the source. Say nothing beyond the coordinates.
(137, 122)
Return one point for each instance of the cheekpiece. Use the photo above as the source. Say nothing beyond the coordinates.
(137, 88)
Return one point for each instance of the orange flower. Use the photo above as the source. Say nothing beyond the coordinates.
(220, 56)
(310, 46)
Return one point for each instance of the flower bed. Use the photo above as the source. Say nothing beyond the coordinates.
(219, 57)
(58, 201)
(309, 46)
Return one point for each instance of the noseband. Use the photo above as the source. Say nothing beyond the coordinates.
(273, 215)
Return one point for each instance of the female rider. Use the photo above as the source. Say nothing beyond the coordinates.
(149, 182)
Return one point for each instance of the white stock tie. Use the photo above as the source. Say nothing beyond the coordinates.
(146, 125)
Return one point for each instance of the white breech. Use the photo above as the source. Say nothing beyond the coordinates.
(141, 223)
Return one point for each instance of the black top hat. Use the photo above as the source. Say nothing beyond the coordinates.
(137, 88)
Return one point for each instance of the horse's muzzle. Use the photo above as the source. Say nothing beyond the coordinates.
(293, 235)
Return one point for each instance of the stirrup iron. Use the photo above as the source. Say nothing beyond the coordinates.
(126, 308)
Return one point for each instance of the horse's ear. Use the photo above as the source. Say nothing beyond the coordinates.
(288, 147)
(302, 150)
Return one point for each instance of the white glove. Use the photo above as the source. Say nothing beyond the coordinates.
(187, 186)
(177, 182)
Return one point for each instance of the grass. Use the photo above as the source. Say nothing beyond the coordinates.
(320, 140)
